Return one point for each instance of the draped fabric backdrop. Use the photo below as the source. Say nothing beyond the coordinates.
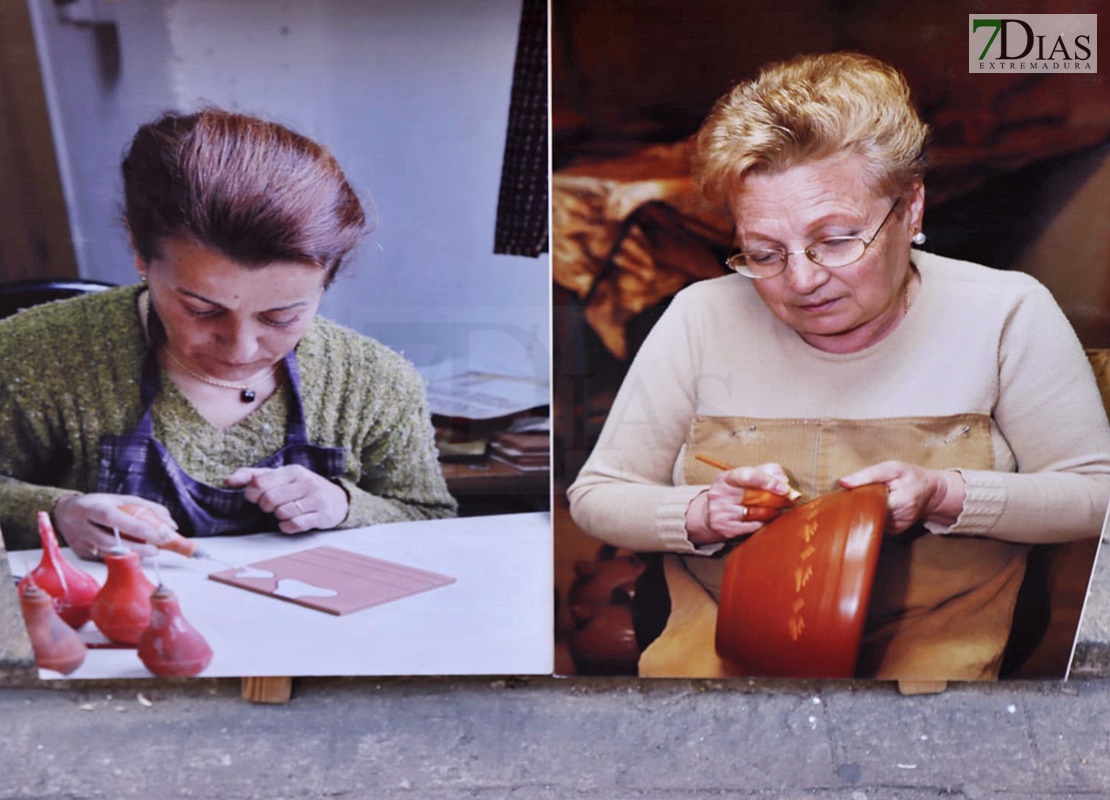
(522, 211)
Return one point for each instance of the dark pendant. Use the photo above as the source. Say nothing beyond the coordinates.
(247, 395)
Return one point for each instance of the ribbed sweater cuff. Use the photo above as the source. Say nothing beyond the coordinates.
(984, 500)
(670, 523)
(22, 509)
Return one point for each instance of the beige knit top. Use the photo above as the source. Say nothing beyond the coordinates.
(975, 341)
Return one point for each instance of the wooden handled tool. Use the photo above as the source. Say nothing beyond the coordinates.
(175, 542)
(756, 497)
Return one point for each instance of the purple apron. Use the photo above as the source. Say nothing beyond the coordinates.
(138, 464)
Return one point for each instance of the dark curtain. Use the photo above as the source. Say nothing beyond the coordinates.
(522, 209)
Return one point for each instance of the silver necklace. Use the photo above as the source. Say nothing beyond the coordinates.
(246, 390)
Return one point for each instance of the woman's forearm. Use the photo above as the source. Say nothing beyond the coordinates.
(1033, 507)
(639, 516)
(21, 501)
(367, 508)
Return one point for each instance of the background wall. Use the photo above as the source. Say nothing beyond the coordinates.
(34, 227)
(1009, 155)
(412, 96)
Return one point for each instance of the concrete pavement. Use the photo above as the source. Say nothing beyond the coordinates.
(589, 738)
(546, 738)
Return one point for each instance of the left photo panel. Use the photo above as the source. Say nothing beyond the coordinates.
(274, 339)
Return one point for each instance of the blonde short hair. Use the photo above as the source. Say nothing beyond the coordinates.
(807, 108)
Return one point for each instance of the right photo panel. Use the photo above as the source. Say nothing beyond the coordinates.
(831, 339)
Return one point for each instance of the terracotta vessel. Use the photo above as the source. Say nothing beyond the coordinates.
(72, 588)
(605, 643)
(121, 609)
(170, 646)
(608, 580)
(56, 645)
(794, 596)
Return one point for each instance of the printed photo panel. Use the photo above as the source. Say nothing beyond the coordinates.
(647, 385)
(437, 117)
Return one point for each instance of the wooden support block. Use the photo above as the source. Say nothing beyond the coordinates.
(921, 687)
(16, 654)
(268, 689)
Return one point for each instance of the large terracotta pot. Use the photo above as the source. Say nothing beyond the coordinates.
(794, 596)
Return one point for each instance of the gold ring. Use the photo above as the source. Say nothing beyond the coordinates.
(95, 552)
(743, 513)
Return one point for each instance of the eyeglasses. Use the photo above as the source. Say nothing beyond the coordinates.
(832, 253)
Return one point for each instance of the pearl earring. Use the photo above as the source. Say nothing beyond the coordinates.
(918, 238)
(143, 277)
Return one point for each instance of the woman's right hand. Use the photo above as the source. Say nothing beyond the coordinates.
(86, 522)
(720, 513)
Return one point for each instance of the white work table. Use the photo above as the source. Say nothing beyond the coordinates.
(496, 618)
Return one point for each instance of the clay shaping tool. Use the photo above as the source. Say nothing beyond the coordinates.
(175, 542)
(793, 495)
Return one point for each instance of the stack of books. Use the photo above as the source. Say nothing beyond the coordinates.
(456, 443)
(528, 451)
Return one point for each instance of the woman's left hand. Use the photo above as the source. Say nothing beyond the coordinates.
(916, 493)
(301, 499)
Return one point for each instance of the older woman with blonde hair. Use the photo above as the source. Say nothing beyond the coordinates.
(839, 356)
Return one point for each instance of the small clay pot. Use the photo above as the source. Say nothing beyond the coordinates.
(170, 646)
(121, 609)
(72, 588)
(56, 645)
(603, 582)
(605, 643)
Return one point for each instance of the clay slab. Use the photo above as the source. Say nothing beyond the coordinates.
(332, 579)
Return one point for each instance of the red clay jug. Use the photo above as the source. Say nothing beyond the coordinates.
(72, 588)
(121, 609)
(170, 646)
(605, 643)
(56, 645)
(608, 580)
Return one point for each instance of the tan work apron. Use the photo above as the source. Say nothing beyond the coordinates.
(941, 607)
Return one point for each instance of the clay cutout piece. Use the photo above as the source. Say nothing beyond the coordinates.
(358, 581)
(251, 572)
(294, 588)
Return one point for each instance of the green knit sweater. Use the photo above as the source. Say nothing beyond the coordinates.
(69, 373)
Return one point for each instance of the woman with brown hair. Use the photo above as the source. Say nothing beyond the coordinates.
(211, 393)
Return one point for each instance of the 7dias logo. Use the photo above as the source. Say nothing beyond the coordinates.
(1033, 43)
